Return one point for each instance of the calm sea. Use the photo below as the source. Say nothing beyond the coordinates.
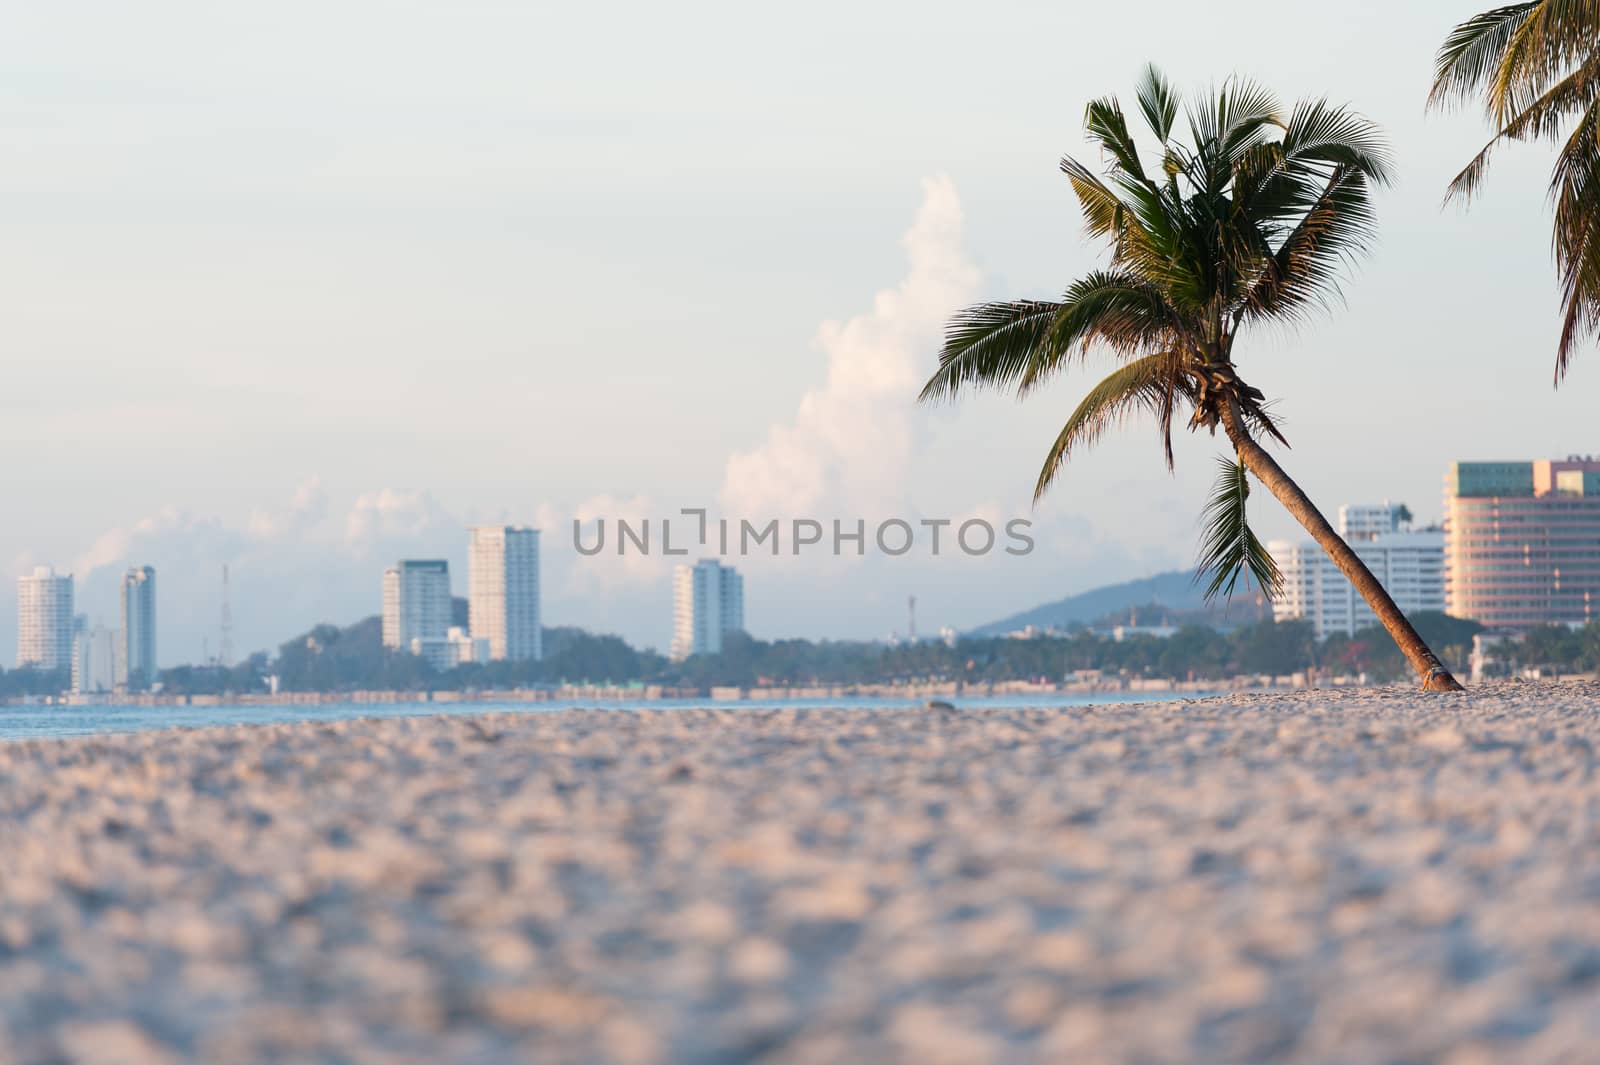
(48, 722)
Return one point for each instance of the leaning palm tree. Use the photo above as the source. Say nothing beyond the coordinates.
(1537, 68)
(1246, 222)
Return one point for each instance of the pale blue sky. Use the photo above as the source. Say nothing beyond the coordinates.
(430, 263)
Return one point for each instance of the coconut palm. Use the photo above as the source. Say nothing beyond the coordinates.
(1537, 69)
(1246, 222)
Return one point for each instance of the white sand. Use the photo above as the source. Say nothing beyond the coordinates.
(1371, 876)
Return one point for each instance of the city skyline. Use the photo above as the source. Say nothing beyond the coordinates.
(417, 612)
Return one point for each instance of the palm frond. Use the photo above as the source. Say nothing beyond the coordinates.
(1108, 127)
(1538, 52)
(990, 344)
(1158, 102)
(1542, 117)
(1303, 272)
(1102, 210)
(1142, 384)
(1577, 236)
(1473, 51)
(1246, 113)
(1320, 133)
(1229, 548)
(1537, 67)
(1116, 309)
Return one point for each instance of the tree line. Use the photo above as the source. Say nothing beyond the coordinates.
(329, 658)
(333, 659)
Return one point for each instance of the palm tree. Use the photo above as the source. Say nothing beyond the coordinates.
(1246, 223)
(1537, 68)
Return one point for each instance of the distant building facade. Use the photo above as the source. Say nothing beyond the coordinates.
(45, 620)
(416, 602)
(1368, 521)
(1410, 566)
(138, 659)
(96, 655)
(503, 591)
(446, 652)
(707, 603)
(1120, 633)
(1522, 542)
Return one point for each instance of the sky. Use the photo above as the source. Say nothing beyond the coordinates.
(305, 288)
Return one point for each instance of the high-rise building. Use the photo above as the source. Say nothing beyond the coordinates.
(96, 655)
(1522, 542)
(416, 602)
(1410, 566)
(503, 591)
(707, 603)
(138, 628)
(44, 620)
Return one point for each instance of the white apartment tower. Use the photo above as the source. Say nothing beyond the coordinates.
(44, 620)
(1410, 565)
(707, 603)
(503, 591)
(416, 602)
(138, 661)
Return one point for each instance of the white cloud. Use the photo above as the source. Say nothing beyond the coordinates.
(308, 509)
(125, 546)
(851, 440)
(389, 514)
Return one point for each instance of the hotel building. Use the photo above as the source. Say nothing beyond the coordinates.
(1410, 565)
(44, 620)
(416, 602)
(503, 591)
(1522, 542)
(707, 603)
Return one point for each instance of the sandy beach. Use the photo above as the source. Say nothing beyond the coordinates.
(1352, 876)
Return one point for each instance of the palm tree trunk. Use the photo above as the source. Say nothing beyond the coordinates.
(1435, 677)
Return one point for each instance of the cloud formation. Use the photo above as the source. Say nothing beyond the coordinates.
(851, 439)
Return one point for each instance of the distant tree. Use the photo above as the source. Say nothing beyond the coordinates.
(1275, 647)
(1193, 649)
(1356, 656)
(574, 655)
(329, 658)
(31, 680)
(1552, 645)
(1245, 223)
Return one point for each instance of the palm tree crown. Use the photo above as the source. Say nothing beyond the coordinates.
(1247, 219)
(1537, 68)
